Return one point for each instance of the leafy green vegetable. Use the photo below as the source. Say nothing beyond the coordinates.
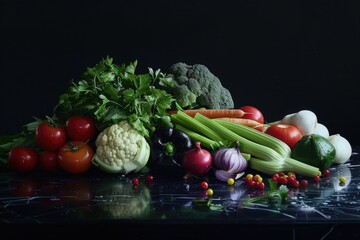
(112, 93)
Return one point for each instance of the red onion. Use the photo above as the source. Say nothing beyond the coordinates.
(197, 161)
(229, 162)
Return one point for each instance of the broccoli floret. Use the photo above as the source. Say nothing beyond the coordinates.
(195, 86)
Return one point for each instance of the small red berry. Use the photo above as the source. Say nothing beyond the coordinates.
(135, 181)
(325, 172)
(275, 177)
(260, 185)
(316, 178)
(255, 178)
(282, 180)
(251, 183)
(204, 185)
(149, 178)
(291, 179)
(295, 183)
(304, 183)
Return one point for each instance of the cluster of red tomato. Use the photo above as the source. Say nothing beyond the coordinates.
(64, 147)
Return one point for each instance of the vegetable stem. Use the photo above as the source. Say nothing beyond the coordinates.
(197, 126)
(246, 145)
(205, 142)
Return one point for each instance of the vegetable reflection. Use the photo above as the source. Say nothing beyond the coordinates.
(122, 200)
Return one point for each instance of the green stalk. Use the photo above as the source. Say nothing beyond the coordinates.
(247, 146)
(288, 165)
(205, 142)
(196, 126)
(259, 137)
(263, 158)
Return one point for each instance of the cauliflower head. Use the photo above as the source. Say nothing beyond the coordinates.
(121, 149)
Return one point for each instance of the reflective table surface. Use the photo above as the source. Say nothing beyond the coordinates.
(111, 201)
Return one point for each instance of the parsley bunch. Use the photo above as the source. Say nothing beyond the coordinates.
(112, 93)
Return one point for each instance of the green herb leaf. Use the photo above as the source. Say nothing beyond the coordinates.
(107, 87)
(206, 203)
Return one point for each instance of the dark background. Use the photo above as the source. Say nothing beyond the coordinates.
(280, 57)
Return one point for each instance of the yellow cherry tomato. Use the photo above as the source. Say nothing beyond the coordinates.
(230, 181)
(249, 175)
(342, 179)
(209, 192)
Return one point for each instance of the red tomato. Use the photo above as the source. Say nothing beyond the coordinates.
(48, 161)
(252, 113)
(75, 157)
(50, 137)
(23, 159)
(80, 128)
(286, 133)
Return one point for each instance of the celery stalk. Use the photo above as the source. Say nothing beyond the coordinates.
(287, 165)
(256, 136)
(247, 146)
(196, 126)
(263, 158)
(205, 142)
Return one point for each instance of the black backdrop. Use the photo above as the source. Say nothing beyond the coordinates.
(280, 57)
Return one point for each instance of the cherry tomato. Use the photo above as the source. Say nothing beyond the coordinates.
(135, 181)
(325, 173)
(23, 159)
(289, 134)
(252, 113)
(80, 128)
(204, 185)
(316, 178)
(75, 157)
(304, 183)
(149, 178)
(50, 137)
(48, 161)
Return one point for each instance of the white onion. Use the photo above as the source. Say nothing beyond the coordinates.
(322, 130)
(342, 147)
(304, 120)
(228, 162)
